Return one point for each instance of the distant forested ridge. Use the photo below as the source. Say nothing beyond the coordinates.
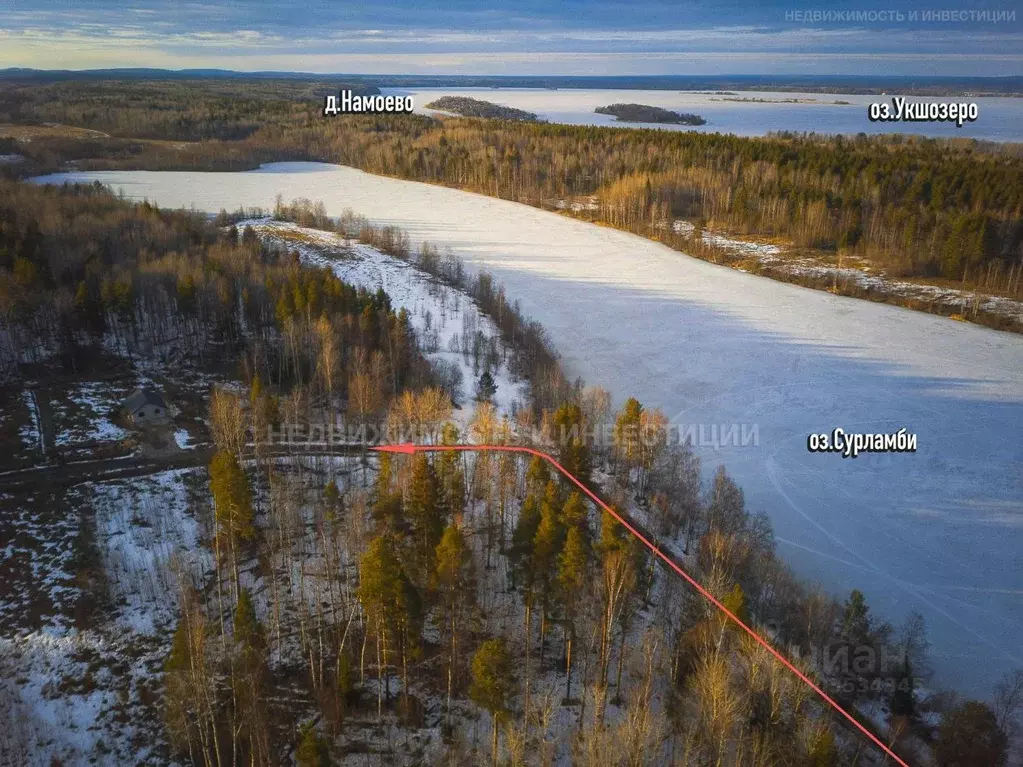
(929, 208)
(641, 113)
(935, 85)
(468, 107)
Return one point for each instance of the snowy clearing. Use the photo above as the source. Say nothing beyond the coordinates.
(85, 414)
(937, 531)
(145, 532)
(446, 320)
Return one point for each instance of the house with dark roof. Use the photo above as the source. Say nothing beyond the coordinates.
(146, 406)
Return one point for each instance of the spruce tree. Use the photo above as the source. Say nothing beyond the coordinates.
(903, 701)
(486, 388)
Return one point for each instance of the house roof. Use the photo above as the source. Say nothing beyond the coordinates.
(142, 397)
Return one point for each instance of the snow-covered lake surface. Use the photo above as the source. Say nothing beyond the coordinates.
(999, 119)
(939, 531)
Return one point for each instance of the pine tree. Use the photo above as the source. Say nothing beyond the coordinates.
(492, 683)
(453, 578)
(450, 475)
(573, 566)
(382, 594)
(232, 500)
(573, 453)
(856, 618)
(333, 503)
(537, 476)
(521, 549)
(627, 436)
(425, 511)
(232, 497)
(249, 674)
(547, 544)
(573, 514)
(312, 749)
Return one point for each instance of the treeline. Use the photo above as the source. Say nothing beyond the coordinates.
(174, 110)
(920, 207)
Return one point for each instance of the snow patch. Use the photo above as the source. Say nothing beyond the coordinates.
(449, 325)
(148, 537)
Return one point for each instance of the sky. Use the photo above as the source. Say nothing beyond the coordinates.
(502, 37)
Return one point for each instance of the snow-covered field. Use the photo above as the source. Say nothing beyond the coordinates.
(772, 111)
(938, 530)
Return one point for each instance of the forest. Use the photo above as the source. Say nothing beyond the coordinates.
(468, 107)
(360, 610)
(936, 209)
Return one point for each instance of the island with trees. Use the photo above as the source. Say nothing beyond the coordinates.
(642, 113)
(468, 107)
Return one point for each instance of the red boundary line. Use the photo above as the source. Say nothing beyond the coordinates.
(409, 449)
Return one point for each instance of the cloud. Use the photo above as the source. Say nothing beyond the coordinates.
(463, 37)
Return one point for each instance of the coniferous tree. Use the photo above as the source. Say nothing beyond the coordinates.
(424, 509)
(573, 567)
(454, 581)
(486, 388)
(903, 700)
(384, 596)
(312, 749)
(492, 684)
(232, 500)
(573, 452)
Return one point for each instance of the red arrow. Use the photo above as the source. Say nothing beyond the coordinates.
(408, 448)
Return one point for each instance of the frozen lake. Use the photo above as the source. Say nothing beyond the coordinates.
(1000, 119)
(939, 531)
